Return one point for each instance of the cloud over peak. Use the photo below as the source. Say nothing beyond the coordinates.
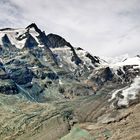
(103, 27)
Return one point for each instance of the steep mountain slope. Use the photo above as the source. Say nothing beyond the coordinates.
(43, 59)
(47, 86)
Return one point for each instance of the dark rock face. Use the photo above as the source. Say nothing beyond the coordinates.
(52, 76)
(6, 41)
(8, 87)
(22, 36)
(75, 57)
(93, 59)
(55, 41)
(102, 76)
(108, 75)
(21, 76)
(4, 29)
(33, 25)
(7, 46)
(43, 41)
(30, 42)
(79, 48)
(128, 73)
(3, 75)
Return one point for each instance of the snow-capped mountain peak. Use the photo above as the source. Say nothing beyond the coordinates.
(56, 48)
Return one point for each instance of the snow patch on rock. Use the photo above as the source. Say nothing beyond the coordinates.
(125, 95)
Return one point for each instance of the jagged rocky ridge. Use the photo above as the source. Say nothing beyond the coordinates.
(30, 57)
(39, 70)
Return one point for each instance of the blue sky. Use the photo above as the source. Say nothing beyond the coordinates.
(102, 27)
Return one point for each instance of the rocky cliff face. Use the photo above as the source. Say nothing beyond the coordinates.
(46, 83)
(30, 57)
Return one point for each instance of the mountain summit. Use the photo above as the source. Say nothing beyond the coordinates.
(47, 86)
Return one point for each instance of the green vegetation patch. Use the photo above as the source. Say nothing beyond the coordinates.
(78, 134)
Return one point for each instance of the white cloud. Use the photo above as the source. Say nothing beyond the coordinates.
(103, 27)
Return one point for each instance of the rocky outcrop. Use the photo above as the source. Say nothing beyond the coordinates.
(3, 74)
(8, 87)
(6, 42)
(55, 41)
(30, 42)
(21, 76)
(101, 76)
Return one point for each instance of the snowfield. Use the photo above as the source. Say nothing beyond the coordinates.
(127, 94)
